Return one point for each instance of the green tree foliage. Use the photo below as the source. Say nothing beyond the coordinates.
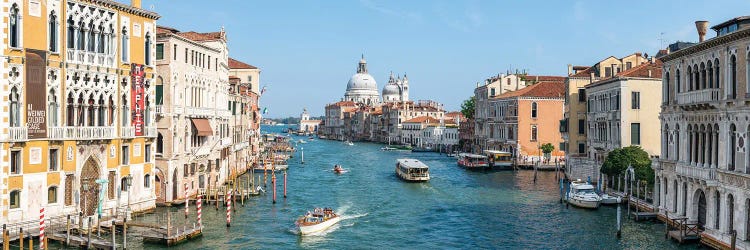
(467, 108)
(547, 148)
(619, 159)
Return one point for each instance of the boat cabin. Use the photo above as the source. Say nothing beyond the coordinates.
(499, 158)
(413, 168)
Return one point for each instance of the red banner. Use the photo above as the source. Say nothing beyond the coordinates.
(137, 98)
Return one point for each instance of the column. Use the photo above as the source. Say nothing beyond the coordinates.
(716, 149)
(710, 146)
(690, 147)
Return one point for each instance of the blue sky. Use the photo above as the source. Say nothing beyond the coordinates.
(308, 50)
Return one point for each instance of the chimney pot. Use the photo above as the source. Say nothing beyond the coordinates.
(702, 27)
(570, 69)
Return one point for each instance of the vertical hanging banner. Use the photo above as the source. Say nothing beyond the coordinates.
(137, 96)
(36, 101)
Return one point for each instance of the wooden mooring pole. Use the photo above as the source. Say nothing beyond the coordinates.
(619, 222)
(285, 184)
(67, 230)
(20, 239)
(6, 239)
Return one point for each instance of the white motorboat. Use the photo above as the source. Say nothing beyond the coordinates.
(582, 194)
(302, 141)
(412, 170)
(319, 220)
(349, 143)
(610, 199)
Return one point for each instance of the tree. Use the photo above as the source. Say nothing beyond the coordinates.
(547, 148)
(618, 160)
(467, 108)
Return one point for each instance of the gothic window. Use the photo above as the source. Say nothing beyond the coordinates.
(100, 112)
(71, 33)
(101, 41)
(80, 110)
(666, 87)
(14, 29)
(147, 181)
(53, 32)
(52, 109)
(732, 147)
(124, 44)
(703, 76)
(124, 110)
(677, 81)
(91, 111)
(81, 35)
(717, 82)
(111, 112)
(710, 74)
(15, 108)
(733, 76)
(730, 213)
(159, 144)
(533, 110)
(690, 82)
(717, 212)
(91, 38)
(71, 110)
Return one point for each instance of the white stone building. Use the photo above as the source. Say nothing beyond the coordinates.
(362, 87)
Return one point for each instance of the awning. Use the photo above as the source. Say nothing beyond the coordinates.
(203, 127)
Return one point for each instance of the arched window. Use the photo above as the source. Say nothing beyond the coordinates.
(710, 74)
(674, 196)
(696, 78)
(100, 112)
(147, 49)
(703, 76)
(147, 181)
(666, 88)
(717, 82)
(71, 33)
(677, 81)
(53, 32)
(52, 195)
(533, 110)
(15, 108)
(111, 112)
(125, 111)
(91, 111)
(730, 213)
(733, 76)
(159, 144)
(70, 119)
(81, 35)
(124, 184)
(14, 28)
(732, 147)
(92, 38)
(717, 209)
(100, 40)
(15, 199)
(665, 138)
(690, 81)
(52, 108)
(124, 44)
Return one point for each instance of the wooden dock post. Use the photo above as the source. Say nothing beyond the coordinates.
(67, 230)
(666, 224)
(114, 236)
(734, 240)
(125, 231)
(20, 239)
(273, 182)
(619, 223)
(284, 184)
(31, 242)
(6, 239)
(198, 207)
(88, 235)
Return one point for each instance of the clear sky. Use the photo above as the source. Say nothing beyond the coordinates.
(308, 50)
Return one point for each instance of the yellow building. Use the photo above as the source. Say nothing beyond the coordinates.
(573, 125)
(76, 108)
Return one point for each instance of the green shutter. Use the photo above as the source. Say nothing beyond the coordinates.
(159, 94)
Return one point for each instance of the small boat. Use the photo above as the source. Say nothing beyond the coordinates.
(387, 148)
(472, 161)
(610, 199)
(302, 141)
(422, 149)
(583, 195)
(320, 219)
(349, 143)
(310, 138)
(412, 170)
(338, 169)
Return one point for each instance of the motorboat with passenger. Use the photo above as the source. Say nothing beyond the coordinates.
(338, 169)
(318, 220)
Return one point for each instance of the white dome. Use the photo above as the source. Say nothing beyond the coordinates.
(390, 90)
(362, 81)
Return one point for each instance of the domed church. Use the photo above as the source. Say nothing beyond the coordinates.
(362, 87)
(397, 89)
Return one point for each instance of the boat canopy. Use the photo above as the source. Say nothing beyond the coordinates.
(497, 152)
(475, 156)
(412, 163)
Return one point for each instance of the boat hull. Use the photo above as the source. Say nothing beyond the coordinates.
(306, 230)
(610, 200)
(584, 203)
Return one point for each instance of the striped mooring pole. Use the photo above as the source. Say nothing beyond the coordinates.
(41, 228)
(229, 207)
(198, 205)
(187, 201)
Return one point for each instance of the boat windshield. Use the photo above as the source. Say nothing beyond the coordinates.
(586, 191)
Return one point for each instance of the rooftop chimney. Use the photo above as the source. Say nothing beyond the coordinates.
(702, 27)
(570, 69)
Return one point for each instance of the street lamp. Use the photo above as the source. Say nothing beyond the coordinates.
(128, 183)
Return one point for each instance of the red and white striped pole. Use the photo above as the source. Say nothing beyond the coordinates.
(41, 228)
(273, 182)
(229, 207)
(284, 184)
(187, 201)
(198, 205)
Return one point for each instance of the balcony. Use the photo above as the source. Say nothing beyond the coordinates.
(160, 109)
(150, 132)
(698, 97)
(127, 132)
(225, 142)
(80, 133)
(18, 134)
(707, 175)
(240, 146)
(90, 58)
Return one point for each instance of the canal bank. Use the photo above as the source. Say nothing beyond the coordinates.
(455, 209)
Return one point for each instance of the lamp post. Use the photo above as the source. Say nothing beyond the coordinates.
(128, 184)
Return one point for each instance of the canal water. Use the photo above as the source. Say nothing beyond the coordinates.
(455, 209)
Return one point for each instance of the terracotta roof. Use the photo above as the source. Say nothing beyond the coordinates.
(164, 29)
(422, 119)
(235, 64)
(544, 78)
(195, 36)
(643, 70)
(454, 114)
(584, 73)
(343, 104)
(349, 109)
(542, 89)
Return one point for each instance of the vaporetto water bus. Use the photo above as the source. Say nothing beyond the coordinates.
(412, 170)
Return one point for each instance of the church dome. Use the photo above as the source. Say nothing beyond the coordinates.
(362, 81)
(390, 89)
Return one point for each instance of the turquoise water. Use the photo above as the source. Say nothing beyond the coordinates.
(455, 209)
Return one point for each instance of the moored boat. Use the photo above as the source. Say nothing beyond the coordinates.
(610, 199)
(583, 195)
(349, 143)
(412, 170)
(499, 159)
(318, 220)
(472, 161)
